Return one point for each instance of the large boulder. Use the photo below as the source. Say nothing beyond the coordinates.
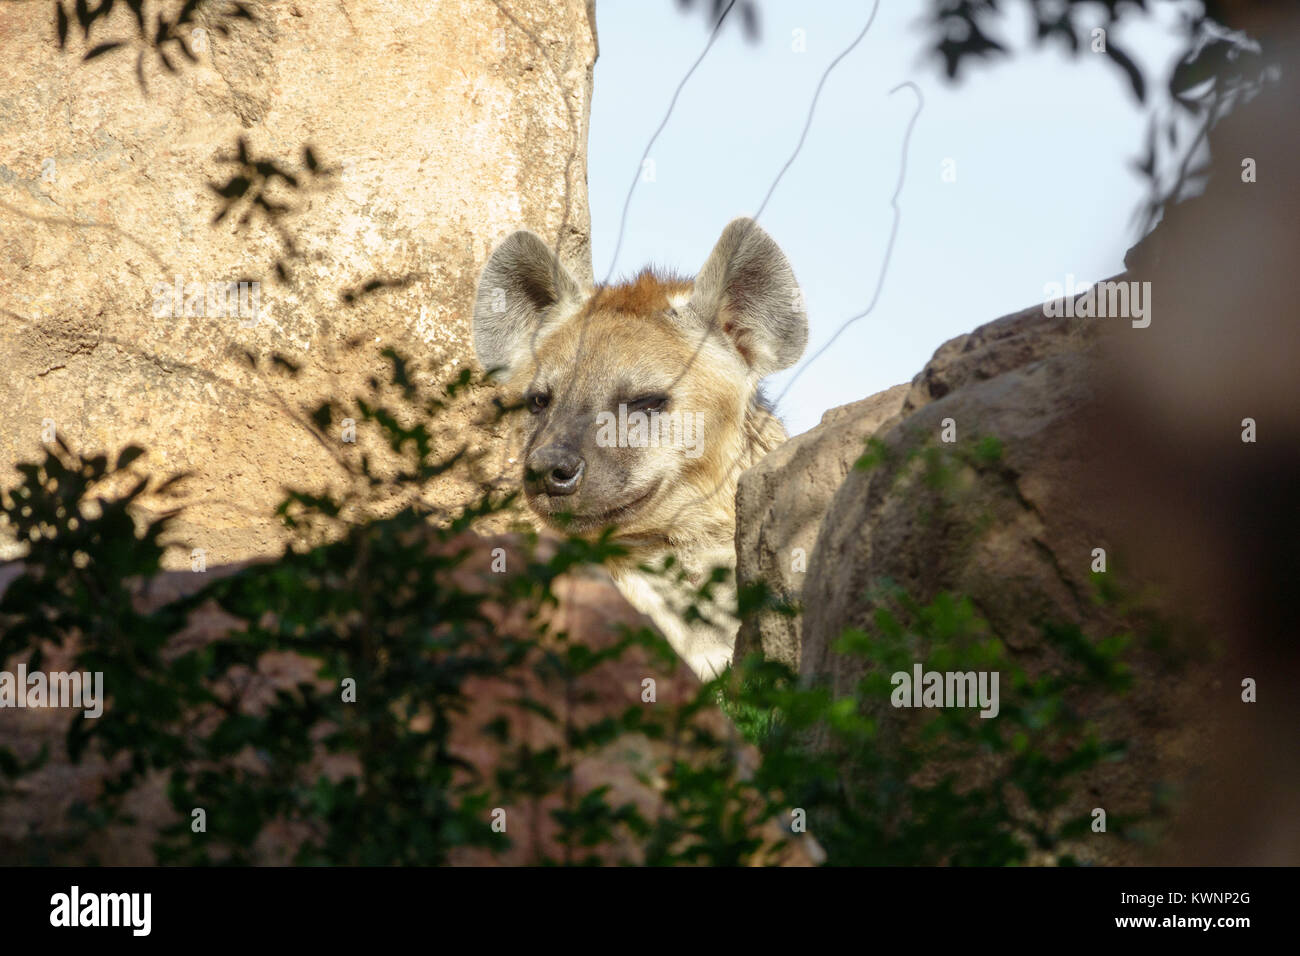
(784, 501)
(438, 129)
(984, 483)
(1008, 531)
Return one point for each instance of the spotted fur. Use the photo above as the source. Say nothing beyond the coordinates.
(661, 345)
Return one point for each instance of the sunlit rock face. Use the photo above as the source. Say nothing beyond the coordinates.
(436, 129)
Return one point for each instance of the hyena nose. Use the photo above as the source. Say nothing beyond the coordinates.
(557, 471)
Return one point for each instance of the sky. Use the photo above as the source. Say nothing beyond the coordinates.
(1016, 176)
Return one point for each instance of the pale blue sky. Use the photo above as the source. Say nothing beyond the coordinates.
(1042, 145)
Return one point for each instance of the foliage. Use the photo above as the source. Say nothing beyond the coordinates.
(886, 786)
(1218, 69)
(360, 597)
(963, 29)
(370, 592)
(157, 32)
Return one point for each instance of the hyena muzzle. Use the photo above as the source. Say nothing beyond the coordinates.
(643, 406)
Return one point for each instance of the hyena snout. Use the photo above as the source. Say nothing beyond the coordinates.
(555, 470)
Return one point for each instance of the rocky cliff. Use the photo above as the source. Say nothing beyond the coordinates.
(468, 121)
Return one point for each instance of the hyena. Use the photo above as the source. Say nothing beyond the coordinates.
(643, 407)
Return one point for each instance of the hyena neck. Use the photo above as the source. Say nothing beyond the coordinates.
(763, 431)
(706, 645)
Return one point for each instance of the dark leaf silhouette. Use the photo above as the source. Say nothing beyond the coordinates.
(749, 19)
(174, 480)
(1147, 165)
(155, 41)
(1130, 70)
(101, 50)
(137, 8)
(279, 361)
(1225, 58)
(746, 11)
(237, 186)
(352, 296)
(964, 39)
(129, 454)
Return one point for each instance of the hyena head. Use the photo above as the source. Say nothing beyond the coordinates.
(642, 398)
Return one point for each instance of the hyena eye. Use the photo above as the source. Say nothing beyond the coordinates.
(648, 403)
(537, 401)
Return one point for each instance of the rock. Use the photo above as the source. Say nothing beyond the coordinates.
(992, 349)
(465, 122)
(779, 507)
(781, 502)
(882, 526)
(1008, 516)
(1025, 381)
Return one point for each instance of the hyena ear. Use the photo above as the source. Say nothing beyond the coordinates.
(747, 291)
(519, 289)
